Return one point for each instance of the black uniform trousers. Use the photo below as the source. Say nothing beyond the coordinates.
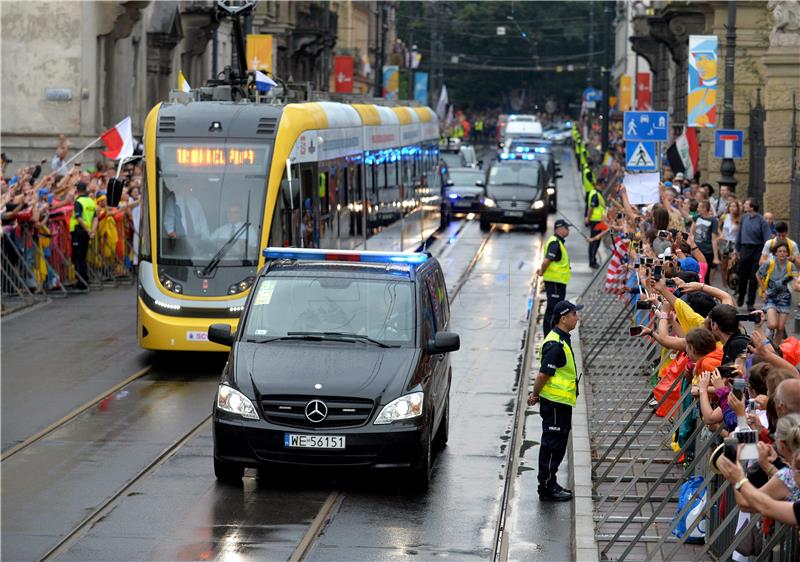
(594, 245)
(80, 250)
(556, 292)
(748, 265)
(556, 425)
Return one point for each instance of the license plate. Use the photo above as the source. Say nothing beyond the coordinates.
(514, 213)
(313, 441)
(463, 203)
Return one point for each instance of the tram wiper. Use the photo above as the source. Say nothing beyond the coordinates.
(212, 265)
(338, 335)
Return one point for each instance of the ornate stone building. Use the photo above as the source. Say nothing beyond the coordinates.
(767, 69)
(79, 67)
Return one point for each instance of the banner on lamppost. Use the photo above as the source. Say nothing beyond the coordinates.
(702, 95)
(391, 82)
(421, 87)
(625, 92)
(343, 73)
(259, 52)
(643, 92)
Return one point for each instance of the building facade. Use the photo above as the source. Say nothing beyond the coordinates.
(767, 70)
(80, 67)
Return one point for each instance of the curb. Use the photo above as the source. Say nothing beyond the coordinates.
(584, 548)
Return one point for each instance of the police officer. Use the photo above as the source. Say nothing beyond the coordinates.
(555, 271)
(82, 227)
(593, 216)
(556, 390)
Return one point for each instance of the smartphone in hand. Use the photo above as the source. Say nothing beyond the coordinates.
(635, 330)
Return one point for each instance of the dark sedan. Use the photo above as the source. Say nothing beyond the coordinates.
(463, 192)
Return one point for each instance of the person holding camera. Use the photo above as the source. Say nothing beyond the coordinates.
(555, 389)
(556, 271)
(774, 277)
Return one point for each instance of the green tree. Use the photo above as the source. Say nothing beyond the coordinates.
(483, 69)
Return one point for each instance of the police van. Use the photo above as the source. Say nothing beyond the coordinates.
(341, 359)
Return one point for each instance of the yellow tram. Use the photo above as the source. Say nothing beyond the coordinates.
(227, 178)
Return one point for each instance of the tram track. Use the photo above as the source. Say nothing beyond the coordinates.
(500, 543)
(324, 515)
(41, 434)
(335, 498)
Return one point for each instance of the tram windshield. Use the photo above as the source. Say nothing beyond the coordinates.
(210, 203)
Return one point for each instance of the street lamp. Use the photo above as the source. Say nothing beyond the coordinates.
(728, 168)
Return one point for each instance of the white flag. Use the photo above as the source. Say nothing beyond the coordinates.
(441, 106)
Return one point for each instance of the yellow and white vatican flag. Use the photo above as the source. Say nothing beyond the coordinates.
(183, 85)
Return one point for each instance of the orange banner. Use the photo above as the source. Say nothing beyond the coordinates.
(625, 92)
(259, 52)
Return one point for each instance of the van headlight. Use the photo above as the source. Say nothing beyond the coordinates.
(488, 202)
(403, 408)
(538, 205)
(232, 401)
(551, 190)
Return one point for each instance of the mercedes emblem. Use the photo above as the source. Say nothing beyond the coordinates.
(316, 411)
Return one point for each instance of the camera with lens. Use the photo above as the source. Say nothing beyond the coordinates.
(748, 438)
(726, 371)
(738, 385)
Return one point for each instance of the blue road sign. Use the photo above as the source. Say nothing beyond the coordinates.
(646, 126)
(728, 143)
(640, 156)
(592, 94)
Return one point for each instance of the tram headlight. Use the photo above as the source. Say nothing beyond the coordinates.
(178, 288)
(241, 286)
(232, 401)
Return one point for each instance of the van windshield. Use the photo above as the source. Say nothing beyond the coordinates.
(382, 310)
(514, 174)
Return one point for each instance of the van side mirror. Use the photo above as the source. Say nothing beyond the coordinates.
(221, 334)
(444, 342)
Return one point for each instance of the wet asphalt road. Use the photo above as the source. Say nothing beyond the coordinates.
(179, 512)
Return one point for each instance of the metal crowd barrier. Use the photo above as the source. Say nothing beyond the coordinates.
(37, 263)
(636, 472)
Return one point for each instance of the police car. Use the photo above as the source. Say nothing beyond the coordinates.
(341, 360)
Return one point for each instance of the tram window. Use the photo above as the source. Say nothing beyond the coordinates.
(144, 227)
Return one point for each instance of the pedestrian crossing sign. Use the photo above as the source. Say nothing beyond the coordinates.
(640, 156)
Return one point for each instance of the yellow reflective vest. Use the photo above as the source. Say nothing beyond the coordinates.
(88, 206)
(596, 214)
(562, 387)
(588, 179)
(558, 271)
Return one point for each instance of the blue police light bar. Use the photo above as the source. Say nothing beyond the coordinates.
(314, 254)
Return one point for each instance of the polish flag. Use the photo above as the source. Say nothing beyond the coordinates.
(118, 140)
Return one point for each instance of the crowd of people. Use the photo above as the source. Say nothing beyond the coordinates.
(57, 223)
(723, 337)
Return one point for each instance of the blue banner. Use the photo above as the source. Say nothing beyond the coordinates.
(421, 87)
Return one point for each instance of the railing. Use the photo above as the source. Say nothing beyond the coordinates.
(638, 466)
(37, 260)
